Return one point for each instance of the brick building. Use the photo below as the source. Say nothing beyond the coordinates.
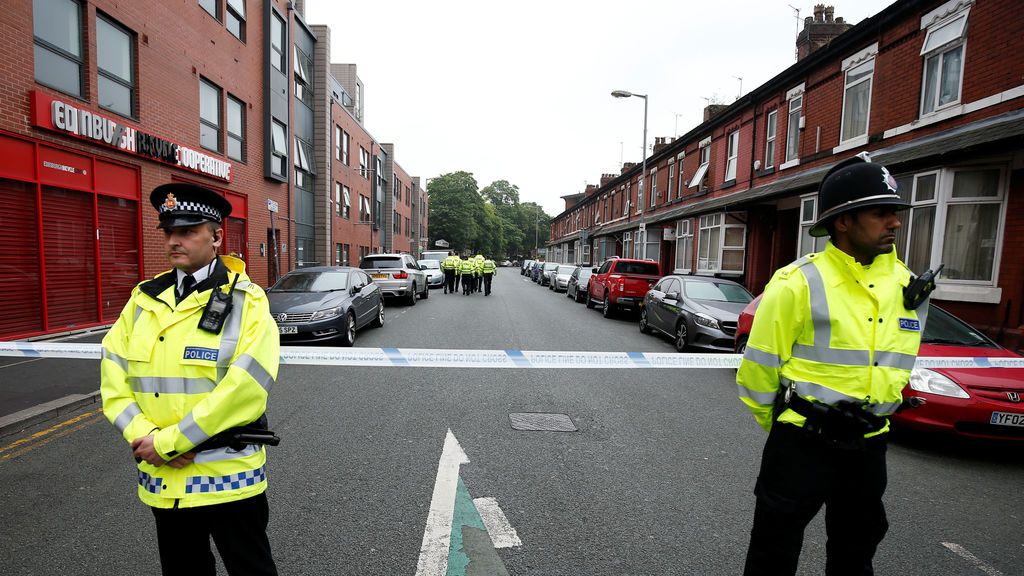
(105, 100)
(931, 88)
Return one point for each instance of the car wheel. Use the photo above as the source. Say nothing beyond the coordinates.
(412, 296)
(348, 337)
(607, 308)
(644, 327)
(426, 292)
(681, 336)
(741, 346)
(590, 301)
(379, 320)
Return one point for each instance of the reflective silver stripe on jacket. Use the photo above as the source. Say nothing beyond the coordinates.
(138, 312)
(231, 333)
(761, 357)
(253, 368)
(126, 416)
(759, 397)
(122, 362)
(820, 316)
(225, 453)
(895, 360)
(832, 397)
(171, 385)
(832, 355)
(192, 431)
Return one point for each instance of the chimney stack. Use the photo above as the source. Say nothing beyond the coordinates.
(819, 30)
(626, 167)
(712, 110)
(660, 142)
(606, 178)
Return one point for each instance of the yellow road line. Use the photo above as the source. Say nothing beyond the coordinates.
(44, 437)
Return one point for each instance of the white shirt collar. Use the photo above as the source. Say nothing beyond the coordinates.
(199, 275)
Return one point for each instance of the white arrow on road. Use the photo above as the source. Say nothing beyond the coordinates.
(438, 533)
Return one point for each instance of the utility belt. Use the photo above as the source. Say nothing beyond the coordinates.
(239, 437)
(843, 424)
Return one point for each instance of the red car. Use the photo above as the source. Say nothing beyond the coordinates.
(971, 402)
(621, 283)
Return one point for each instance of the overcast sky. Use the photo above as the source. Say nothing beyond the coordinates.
(520, 91)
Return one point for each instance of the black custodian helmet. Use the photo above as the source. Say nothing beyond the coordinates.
(853, 184)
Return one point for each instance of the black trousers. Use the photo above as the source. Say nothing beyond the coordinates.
(239, 529)
(449, 281)
(799, 473)
(458, 279)
(467, 283)
(487, 284)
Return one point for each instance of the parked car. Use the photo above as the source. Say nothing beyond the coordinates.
(435, 276)
(560, 277)
(525, 268)
(621, 283)
(545, 273)
(505, 263)
(398, 275)
(325, 303)
(535, 270)
(967, 402)
(578, 282)
(695, 311)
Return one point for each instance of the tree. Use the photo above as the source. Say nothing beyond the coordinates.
(455, 204)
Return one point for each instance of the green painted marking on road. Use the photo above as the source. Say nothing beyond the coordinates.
(471, 552)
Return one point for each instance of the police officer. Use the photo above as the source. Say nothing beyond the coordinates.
(449, 265)
(467, 269)
(831, 348)
(488, 268)
(175, 373)
(458, 271)
(478, 262)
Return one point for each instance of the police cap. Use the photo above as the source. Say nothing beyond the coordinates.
(183, 204)
(853, 184)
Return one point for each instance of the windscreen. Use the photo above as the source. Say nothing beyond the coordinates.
(311, 282)
(565, 269)
(385, 262)
(716, 292)
(944, 328)
(434, 264)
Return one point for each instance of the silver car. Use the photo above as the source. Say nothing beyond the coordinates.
(544, 277)
(398, 275)
(326, 303)
(560, 277)
(695, 311)
(435, 276)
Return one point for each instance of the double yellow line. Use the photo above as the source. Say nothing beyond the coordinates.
(43, 437)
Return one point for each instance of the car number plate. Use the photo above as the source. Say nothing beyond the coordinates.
(1007, 419)
(380, 276)
(288, 329)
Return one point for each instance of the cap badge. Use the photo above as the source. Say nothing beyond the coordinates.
(171, 202)
(888, 180)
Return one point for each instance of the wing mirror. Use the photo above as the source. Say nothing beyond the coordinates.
(355, 289)
(423, 266)
(672, 296)
(593, 270)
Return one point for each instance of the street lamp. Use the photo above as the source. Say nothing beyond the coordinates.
(643, 168)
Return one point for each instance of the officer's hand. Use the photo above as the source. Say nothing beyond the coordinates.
(183, 460)
(144, 449)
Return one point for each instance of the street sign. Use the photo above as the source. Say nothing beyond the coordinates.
(441, 243)
(271, 205)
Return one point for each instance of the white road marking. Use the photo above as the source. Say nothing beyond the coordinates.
(437, 535)
(966, 555)
(503, 535)
(22, 362)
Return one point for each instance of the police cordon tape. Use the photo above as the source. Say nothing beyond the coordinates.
(445, 358)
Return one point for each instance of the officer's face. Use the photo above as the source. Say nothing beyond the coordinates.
(189, 248)
(869, 232)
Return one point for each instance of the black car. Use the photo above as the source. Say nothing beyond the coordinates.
(325, 303)
(579, 282)
(695, 311)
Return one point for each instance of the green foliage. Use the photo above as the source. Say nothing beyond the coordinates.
(489, 221)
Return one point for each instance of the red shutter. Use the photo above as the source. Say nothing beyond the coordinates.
(20, 297)
(234, 237)
(119, 252)
(69, 242)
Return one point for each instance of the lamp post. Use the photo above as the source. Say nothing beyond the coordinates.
(643, 168)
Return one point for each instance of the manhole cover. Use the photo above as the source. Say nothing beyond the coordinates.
(541, 421)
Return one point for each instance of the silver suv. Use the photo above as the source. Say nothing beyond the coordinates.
(398, 275)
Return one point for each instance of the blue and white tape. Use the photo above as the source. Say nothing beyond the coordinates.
(446, 358)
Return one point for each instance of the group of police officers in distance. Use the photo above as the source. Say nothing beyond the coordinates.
(474, 273)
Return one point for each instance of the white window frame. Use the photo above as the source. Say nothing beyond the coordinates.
(668, 184)
(702, 170)
(953, 14)
(805, 243)
(732, 152)
(346, 194)
(684, 245)
(627, 244)
(654, 188)
(771, 132)
(794, 124)
(640, 194)
(681, 181)
(713, 255)
(861, 62)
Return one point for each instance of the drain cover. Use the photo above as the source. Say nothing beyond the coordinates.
(541, 421)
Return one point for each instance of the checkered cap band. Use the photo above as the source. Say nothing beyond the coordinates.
(202, 484)
(149, 483)
(186, 206)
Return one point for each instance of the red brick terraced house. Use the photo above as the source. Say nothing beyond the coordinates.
(932, 89)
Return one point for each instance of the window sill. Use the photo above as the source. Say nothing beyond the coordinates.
(851, 144)
(962, 293)
(727, 184)
(766, 172)
(790, 164)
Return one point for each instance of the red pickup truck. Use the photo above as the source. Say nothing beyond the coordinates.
(621, 283)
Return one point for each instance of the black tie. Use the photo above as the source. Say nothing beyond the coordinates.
(186, 286)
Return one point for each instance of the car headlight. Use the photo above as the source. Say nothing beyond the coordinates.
(924, 380)
(705, 320)
(326, 313)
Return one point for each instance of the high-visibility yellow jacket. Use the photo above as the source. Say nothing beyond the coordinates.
(467, 267)
(478, 262)
(450, 263)
(837, 331)
(162, 375)
(488, 267)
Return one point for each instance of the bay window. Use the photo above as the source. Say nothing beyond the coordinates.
(721, 244)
